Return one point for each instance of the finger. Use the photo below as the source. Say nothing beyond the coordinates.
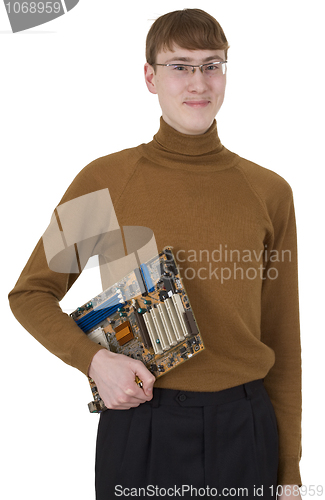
(119, 405)
(148, 383)
(147, 379)
(144, 393)
(136, 393)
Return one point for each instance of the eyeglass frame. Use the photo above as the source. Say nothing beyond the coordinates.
(193, 66)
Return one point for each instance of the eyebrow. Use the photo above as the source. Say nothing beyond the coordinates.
(189, 59)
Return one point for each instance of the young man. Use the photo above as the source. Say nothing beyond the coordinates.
(230, 418)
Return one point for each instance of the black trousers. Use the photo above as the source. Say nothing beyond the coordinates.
(185, 444)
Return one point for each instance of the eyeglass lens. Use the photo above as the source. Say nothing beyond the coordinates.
(180, 70)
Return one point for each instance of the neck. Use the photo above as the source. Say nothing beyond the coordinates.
(172, 140)
(203, 152)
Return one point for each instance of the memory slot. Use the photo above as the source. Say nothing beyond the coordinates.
(97, 316)
(106, 309)
(104, 305)
(147, 278)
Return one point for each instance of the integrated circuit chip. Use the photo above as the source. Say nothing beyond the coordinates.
(123, 333)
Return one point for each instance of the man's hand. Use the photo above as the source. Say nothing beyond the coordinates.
(114, 375)
(289, 493)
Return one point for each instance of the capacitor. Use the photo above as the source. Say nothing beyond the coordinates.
(123, 314)
(141, 310)
(147, 301)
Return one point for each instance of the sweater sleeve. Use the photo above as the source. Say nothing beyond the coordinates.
(45, 280)
(34, 302)
(280, 330)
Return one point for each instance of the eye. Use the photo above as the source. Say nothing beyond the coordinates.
(180, 67)
(213, 67)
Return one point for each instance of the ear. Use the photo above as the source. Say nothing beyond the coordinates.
(150, 76)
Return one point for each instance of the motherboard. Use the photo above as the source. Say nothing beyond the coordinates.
(147, 315)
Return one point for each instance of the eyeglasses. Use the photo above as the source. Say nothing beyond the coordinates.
(209, 69)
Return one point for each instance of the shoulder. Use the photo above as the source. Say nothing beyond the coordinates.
(115, 164)
(267, 184)
(111, 171)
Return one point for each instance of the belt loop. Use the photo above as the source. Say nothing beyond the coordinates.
(248, 390)
(155, 398)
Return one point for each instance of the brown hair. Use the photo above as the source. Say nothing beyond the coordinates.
(190, 29)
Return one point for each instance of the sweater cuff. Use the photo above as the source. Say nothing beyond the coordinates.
(288, 471)
(83, 354)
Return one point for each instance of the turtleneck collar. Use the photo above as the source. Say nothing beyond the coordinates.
(169, 139)
(193, 153)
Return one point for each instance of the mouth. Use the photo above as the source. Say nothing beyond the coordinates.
(197, 104)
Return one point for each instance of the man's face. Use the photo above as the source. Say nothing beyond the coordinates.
(189, 104)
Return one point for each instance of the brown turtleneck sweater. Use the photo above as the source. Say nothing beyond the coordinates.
(231, 224)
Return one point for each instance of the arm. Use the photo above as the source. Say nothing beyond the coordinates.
(281, 332)
(55, 265)
(35, 303)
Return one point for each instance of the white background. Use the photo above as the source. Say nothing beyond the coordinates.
(73, 90)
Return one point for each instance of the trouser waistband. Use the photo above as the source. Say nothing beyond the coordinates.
(196, 398)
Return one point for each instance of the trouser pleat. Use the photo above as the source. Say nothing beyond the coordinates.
(186, 439)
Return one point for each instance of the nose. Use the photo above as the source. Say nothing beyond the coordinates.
(197, 81)
(199, 68)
